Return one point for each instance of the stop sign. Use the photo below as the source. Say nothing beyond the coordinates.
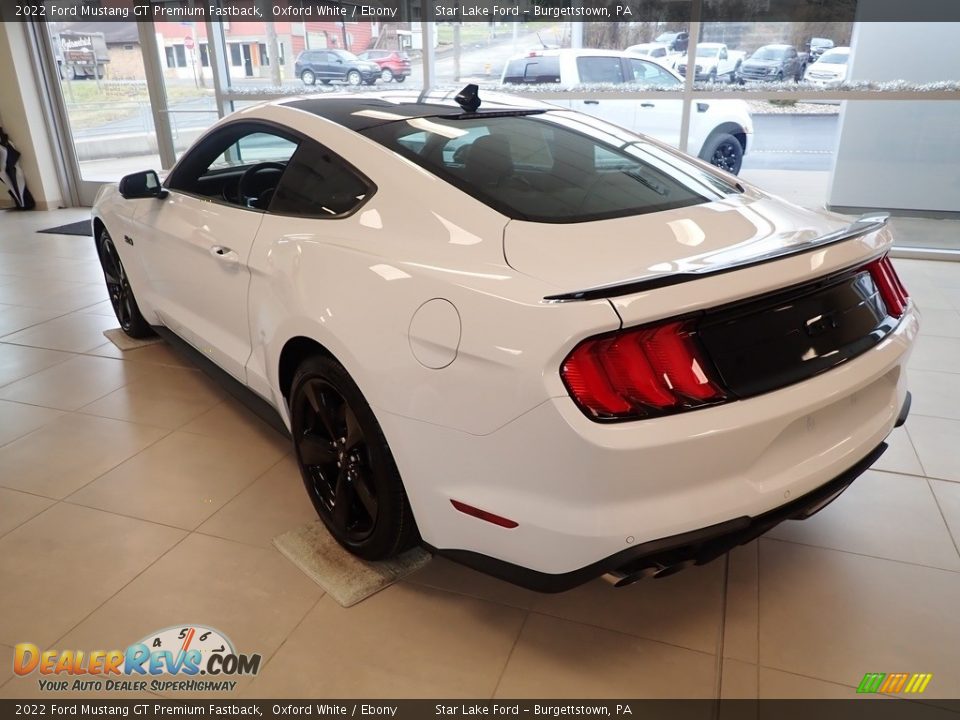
(188, 42)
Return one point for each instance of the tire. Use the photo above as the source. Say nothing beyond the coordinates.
(370, 82)
(386, 75)
(346, 463)
(780, 76)
(735, 74)
(399, 78)
(713, 76)
(308, 77)
(724, 151)
(354, 78)
(118, 287)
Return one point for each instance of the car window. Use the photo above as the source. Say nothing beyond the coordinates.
(707, 52)
(833, 58)
(658, 52)
(648, 73)
(600, 69)
(254, 148)
(318, 183)
(544, 167)
(535, 69)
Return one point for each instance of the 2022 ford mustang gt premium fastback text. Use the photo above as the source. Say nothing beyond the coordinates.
(537, 343)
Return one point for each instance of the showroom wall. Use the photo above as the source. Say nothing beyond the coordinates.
(21, 115)
(892, 154)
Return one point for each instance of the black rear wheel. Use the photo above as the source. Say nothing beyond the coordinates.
(346, 464)
(724, 151)
(118, 286)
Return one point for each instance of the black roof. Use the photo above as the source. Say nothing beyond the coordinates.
(360, 113)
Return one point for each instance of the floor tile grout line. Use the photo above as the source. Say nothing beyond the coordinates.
(758, 615)
(859, 554)
(721, 632)
(120, 589)
(914, 475)
(506, 663)
(923, 467)
(950, 534)
(622, 633)
(290, 634)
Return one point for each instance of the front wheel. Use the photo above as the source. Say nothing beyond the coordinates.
(346, 464)
(308, 77)
(386, 75)
(118, 286)
(353, 77)
(724, 151)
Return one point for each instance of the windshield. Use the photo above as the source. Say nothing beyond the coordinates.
(707, 51)
(549, 167)
(833, 58)
(769, 53)
(666, 37)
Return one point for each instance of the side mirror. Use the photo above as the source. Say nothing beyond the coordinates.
(141, 185)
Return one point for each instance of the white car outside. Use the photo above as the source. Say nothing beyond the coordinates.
(719, 129)
(656, 51)
(830, 69)
(538, 343)
(714, 62)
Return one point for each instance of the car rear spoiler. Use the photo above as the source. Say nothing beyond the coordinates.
(863, 225)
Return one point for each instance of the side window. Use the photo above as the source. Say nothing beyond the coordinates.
(648, 73)
(658, 53)
(723, 53)
(317, 183)
(598, 69)
(254, 148)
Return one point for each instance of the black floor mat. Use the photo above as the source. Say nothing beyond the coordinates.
(81, 227)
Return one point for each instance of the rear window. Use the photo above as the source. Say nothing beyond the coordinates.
(549, 167)
(533, 70)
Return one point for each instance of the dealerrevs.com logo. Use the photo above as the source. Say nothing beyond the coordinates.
(189, 658)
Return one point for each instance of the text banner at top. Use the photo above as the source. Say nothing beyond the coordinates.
(481, 10)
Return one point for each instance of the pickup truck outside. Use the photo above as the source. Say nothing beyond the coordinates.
(715, 61)
(774, 63)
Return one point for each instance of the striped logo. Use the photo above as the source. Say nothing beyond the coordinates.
(894, 683)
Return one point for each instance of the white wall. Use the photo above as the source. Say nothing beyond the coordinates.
(900, 155)
(21, 115)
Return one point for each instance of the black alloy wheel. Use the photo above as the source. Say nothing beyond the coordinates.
(118, 287)
(726, 156)
(347, 467)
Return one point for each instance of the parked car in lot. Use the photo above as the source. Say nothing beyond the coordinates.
(329, 65)
(655, 51)
(394, 64)
(676, 41)
(774, 63)
(818, 46)
(719, 130)
(714, 62)
(830, 70)
(538, 343)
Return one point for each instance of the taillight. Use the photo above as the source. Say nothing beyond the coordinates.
(892, 291)
(651, 370)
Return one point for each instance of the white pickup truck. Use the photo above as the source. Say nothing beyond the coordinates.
(719, 128)
(715, 61)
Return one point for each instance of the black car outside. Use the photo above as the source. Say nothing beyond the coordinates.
(329, 65)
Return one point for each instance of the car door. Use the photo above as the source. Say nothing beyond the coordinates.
(657, 117)
(604, 70)
(195, 243)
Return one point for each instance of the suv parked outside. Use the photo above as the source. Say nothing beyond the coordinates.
(394, 65)
(773, 63)
(718, 128)
(331, 64)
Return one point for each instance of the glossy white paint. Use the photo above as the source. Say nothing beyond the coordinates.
(434, 304)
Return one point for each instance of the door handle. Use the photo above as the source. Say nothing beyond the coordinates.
(591, 102)
(225, 254)
(647, 105)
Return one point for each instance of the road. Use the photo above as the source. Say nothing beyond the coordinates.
(792, 142)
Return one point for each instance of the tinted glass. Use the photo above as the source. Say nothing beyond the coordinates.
(769, 53)
(593, 69)
(648, 73)
(833, 58)
(533, 70)
(317, 183)
(547, 167)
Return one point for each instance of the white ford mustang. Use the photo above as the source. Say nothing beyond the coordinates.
(532, 341)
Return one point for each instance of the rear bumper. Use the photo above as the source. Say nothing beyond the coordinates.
(595, 496)
(659, 558)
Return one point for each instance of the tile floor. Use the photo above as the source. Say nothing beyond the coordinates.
(135, 495)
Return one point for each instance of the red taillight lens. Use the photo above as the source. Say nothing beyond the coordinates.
(892, 291)
(651, 370)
